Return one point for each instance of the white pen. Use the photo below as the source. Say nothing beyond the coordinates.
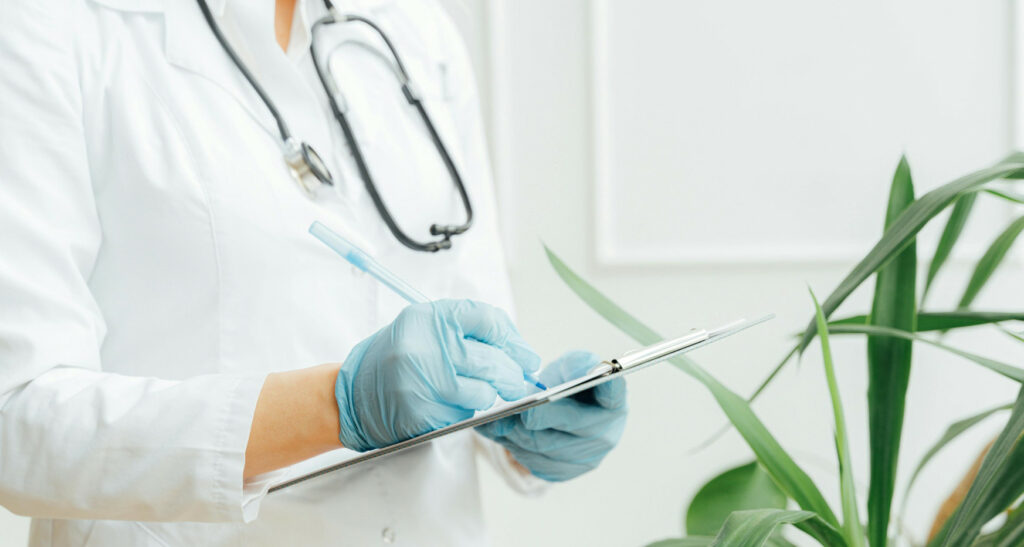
(358, 258)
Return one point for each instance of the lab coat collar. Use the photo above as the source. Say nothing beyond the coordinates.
(217, 6)
(156, 6)
(358, 5)
(191, 45)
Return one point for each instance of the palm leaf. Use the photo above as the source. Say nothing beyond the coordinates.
(991, 260)
(775, 371)
(612, 312)
(950, 234)
(999, 367)
(926, 321)
(895, 306)
(770, 454)
(1014, 335)
(1014, 198)
(999, 482)
(944, 321)
(754, 528)
(952, 432)
(775, 540)
(778, 540)
(693, 541)
(848, 494)
(904, 229)
(764, 384)
(1012, 532)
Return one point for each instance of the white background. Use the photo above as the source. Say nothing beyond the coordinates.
(703, 160)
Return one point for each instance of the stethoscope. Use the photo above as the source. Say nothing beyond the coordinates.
(306, 165)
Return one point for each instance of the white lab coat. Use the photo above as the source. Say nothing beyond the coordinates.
(155, 266)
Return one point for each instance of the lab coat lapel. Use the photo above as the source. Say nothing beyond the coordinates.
(191, 45)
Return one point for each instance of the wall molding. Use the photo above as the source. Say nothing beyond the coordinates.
(500, 114)
(609, 253)
(1015, 73)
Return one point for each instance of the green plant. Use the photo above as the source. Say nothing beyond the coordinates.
(747, 505)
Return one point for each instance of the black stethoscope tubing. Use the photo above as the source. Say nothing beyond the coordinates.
(412, 97)
(303, 159)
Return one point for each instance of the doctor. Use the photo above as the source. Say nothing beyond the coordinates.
(170, 335)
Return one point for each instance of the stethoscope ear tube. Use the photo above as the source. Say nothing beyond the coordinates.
(305, 165)
(339, 108)
(309, 169)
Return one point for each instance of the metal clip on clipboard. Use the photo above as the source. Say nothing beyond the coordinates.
(627, 363)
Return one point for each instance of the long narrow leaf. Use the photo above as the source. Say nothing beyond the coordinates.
(926, 321)
(778, 540)
(764, 384)
(775, 371)
(905, 228)
(999, 367)
(770, 454)
(895, 306)
(775, 460)
(1014, 198)
(692, 541)
(1012, 532)
(612, 312)
(990, 261)
(847, 489)
(1014, 335)
(944, 321)
(999, 482)
(754, 528)
(952, 432)
(950, 234)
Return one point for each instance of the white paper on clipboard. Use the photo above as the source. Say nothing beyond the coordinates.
(625, 364)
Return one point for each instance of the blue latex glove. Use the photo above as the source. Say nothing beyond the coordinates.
(433, 366)
(566, 438)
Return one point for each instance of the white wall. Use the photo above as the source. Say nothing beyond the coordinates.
(704, 160)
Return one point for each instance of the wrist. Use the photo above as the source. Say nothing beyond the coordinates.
(348, 432)
(295, 419)
(520, 468)
(330, 426)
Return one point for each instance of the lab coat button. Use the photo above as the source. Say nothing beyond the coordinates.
(387, 535)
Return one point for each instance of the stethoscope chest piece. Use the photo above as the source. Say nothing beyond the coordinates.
(309, 169)
(306, 166)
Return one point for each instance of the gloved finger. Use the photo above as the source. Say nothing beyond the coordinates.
(548, 469)
(571, 365)
(610, 395)
(571, 416)
(491, 365)
(470, 394)
(497, 429)
(561, 446)
(493, 326)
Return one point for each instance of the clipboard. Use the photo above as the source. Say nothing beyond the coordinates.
(606, 371)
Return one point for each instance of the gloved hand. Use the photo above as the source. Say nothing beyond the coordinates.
(566, 438)
(433, 366)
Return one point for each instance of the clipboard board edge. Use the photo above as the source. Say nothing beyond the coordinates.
(511, 410)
